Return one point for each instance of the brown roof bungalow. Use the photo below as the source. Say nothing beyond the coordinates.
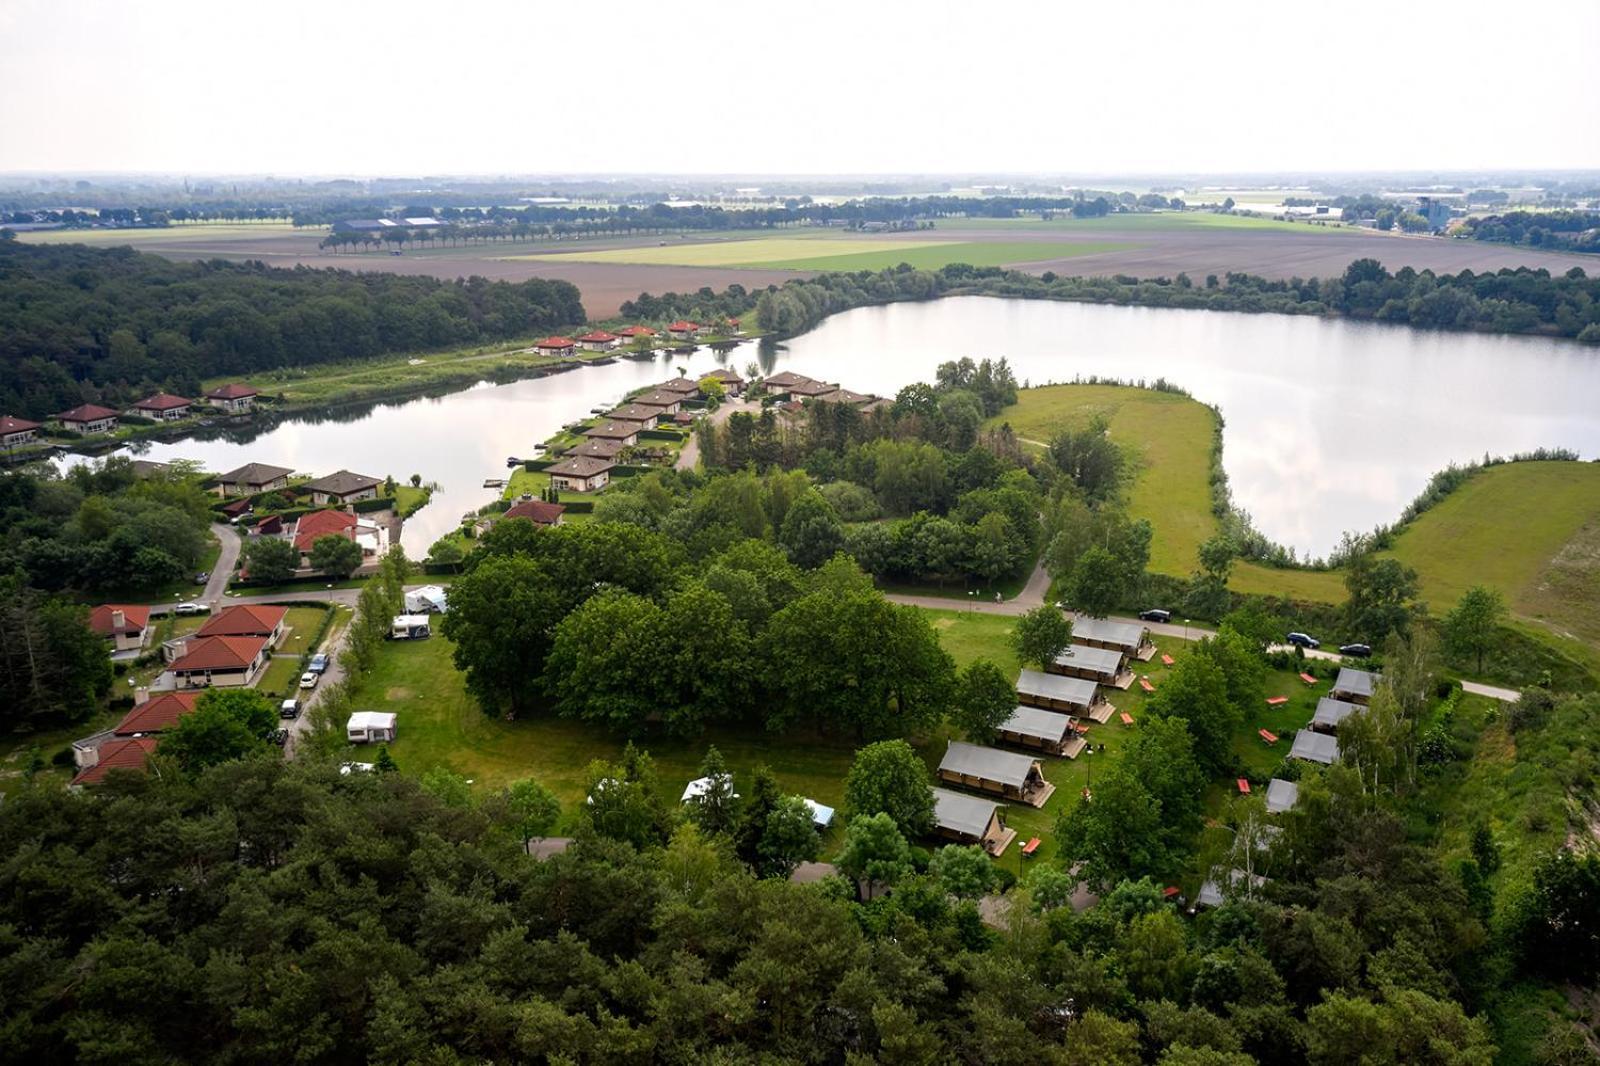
(636, 332)
(680, 385)
(638, 412)
(88, 418)
(781, 382)
(562, 346)
(664, 400)
(845, 396)
(14, 431)
(120, 753)
(252, 478)
(809, 389)
(157, 714)
(539, 512)
(162, 407)
(581, 474)
(626, 432)
(232, 397)
(598, 448)
(246, 620)
(220, 661)
(342, 486)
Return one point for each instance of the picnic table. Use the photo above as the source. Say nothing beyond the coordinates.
(1144, 683)
(1165, 658)
(1127, 719)
(1244, 787)
(1277, 701)
(1030, 847)
(1267, 735)
(1308, 679)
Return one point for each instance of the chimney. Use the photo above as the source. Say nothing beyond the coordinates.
(118, 619)
(141, 695)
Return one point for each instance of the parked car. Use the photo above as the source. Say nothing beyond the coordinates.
(202, 577)
(319, 663)
(289, 709)
(1155, 614)
(190, 607)
(308, 680)
(357, 768)
(1304, 640)
(279, 737)
(1355, 651)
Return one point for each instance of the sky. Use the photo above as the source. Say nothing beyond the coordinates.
(351, 88)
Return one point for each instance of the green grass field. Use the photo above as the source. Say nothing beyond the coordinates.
(221, 231)
(821, 252)
(1169, 434)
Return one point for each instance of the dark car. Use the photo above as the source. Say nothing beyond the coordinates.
(1355, 651)
(289, 709)
(279, 737)
(202, 577)
(1155, 614)
(1303, 640)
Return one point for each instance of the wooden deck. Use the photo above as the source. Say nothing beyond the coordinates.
(1040, 796)
(1101, 712)
(1124, 680)
(996, 846)
(1145, 653)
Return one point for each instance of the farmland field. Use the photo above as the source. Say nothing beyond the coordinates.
(838, 253)
(178, 234)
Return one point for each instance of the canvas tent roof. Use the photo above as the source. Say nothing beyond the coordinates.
(821, 813)
(1281, 795)
(1331, 712)
(1037, 722)
(962, 814)
(1315, 747)
(1358, 682)
(1104, 629)
(991, 764)
(370, 720)
(1055, 687)
(699, 787)
(1211, 894)
(1083, 657)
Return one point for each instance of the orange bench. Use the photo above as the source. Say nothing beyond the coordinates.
(1145, 684)
(1030, 847)
(1269, 737)
(1127, 719)
(1244, 787)
(1166, 659)
(1277, 701)
(1308, 679)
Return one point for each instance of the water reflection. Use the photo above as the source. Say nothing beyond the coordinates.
(1331, 425)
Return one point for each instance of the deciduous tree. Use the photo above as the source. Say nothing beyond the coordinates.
(889, 777)
(1041, 635)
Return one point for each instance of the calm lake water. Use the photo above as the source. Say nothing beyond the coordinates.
(1331, 425)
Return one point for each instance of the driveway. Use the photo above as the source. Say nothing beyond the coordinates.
(217, 583)
(689, 456)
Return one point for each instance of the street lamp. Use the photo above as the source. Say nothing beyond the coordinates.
(972, 599)
(1186, 629)
(1088, 784)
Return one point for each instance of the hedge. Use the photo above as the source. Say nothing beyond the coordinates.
(377, 503)
(660, 434)
(534, 466)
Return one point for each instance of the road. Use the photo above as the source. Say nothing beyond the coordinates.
(689, 456)
(217, 583)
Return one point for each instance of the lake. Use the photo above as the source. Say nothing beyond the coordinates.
(1330, 425)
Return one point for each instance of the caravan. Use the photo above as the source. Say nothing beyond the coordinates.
(429, 599)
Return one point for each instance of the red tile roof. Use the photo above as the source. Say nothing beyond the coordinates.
(243, 620)
(156, 714)
(219, 653)
(231, 391)
(130, 753)
(599, 335)
(554, 342)
(320, 524)
(10, 424)
(134, 618)
(537, 511)
(681, 326)
(636, 331)
(162, 401)
(86, 412)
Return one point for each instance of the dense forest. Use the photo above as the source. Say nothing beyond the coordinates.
(1566, 231)
(110, 324)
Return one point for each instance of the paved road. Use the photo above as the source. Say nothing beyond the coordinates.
(689, 456)
(217, 583)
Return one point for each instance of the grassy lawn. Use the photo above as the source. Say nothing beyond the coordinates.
(1170, 436)
(408, 501)
(281, 678)
(303, 623)
(841, 253)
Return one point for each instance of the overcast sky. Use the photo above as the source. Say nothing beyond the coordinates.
(530, 86)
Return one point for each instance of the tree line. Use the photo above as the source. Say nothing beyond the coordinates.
(1563, 231)
(84, 324)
